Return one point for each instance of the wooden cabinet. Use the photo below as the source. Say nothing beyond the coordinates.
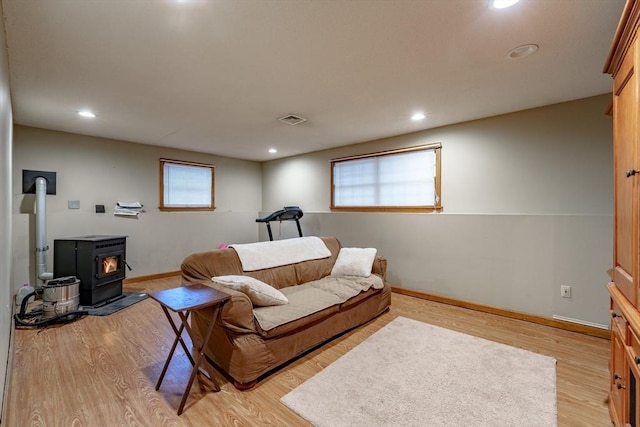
(624, 68)
(618, 365)
(623, 63)
(625, 127)
(624, 363)
(631, 393)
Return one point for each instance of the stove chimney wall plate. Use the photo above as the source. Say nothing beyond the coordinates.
(29, 181)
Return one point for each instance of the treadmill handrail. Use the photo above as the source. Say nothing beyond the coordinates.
(289, 213)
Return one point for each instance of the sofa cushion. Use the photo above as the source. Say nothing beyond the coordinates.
(304, 302)
(358, 298)
(308, 271)
(258, 292)
(277, 277)
(311, 298)
(354, 262)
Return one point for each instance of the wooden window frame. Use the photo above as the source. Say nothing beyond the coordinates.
(164, 208)
(437, 207)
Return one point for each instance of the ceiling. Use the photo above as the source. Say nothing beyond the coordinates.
(214, 76)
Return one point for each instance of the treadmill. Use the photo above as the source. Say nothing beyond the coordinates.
(288, 213)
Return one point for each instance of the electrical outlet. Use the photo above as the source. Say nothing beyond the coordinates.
(565, 291)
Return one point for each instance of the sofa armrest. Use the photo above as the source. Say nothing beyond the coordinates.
(237, 313)
(380, 267)
(203, 266)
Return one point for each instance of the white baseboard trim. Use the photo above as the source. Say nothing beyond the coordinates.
(581, 322)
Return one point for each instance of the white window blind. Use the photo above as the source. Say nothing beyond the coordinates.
(187, 186)
(403, 179)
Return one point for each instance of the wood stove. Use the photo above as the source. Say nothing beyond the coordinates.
(97, 260)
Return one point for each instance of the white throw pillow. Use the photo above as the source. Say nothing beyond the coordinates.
(354, 262)
(258, 292)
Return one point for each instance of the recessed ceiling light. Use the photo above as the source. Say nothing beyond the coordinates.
(522, 51)
(273, 150)
(86, 113)
(418, 116)
(503, 4)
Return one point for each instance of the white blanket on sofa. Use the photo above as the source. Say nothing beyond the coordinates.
(260, 255)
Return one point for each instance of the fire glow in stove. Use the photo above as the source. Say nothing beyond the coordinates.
(98, 261)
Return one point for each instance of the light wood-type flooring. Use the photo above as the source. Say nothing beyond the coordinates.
(101, 371)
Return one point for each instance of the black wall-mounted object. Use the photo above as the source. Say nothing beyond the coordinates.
(29, 181)
(100, 209)
(288, 213)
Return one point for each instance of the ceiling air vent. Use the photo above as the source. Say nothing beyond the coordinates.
(292, 119)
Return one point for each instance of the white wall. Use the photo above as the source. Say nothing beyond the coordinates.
(6, 323)
(527, 207)
(102, 171)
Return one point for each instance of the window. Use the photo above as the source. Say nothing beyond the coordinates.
(186, 186)
(403, 180)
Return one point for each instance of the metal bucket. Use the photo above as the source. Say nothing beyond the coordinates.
(60, 296)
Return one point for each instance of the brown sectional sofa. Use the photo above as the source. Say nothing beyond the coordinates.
(239, 345)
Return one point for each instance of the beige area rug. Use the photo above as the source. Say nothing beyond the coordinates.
(411, 373)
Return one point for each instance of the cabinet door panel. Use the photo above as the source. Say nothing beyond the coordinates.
(625, 129)
(618, 381)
